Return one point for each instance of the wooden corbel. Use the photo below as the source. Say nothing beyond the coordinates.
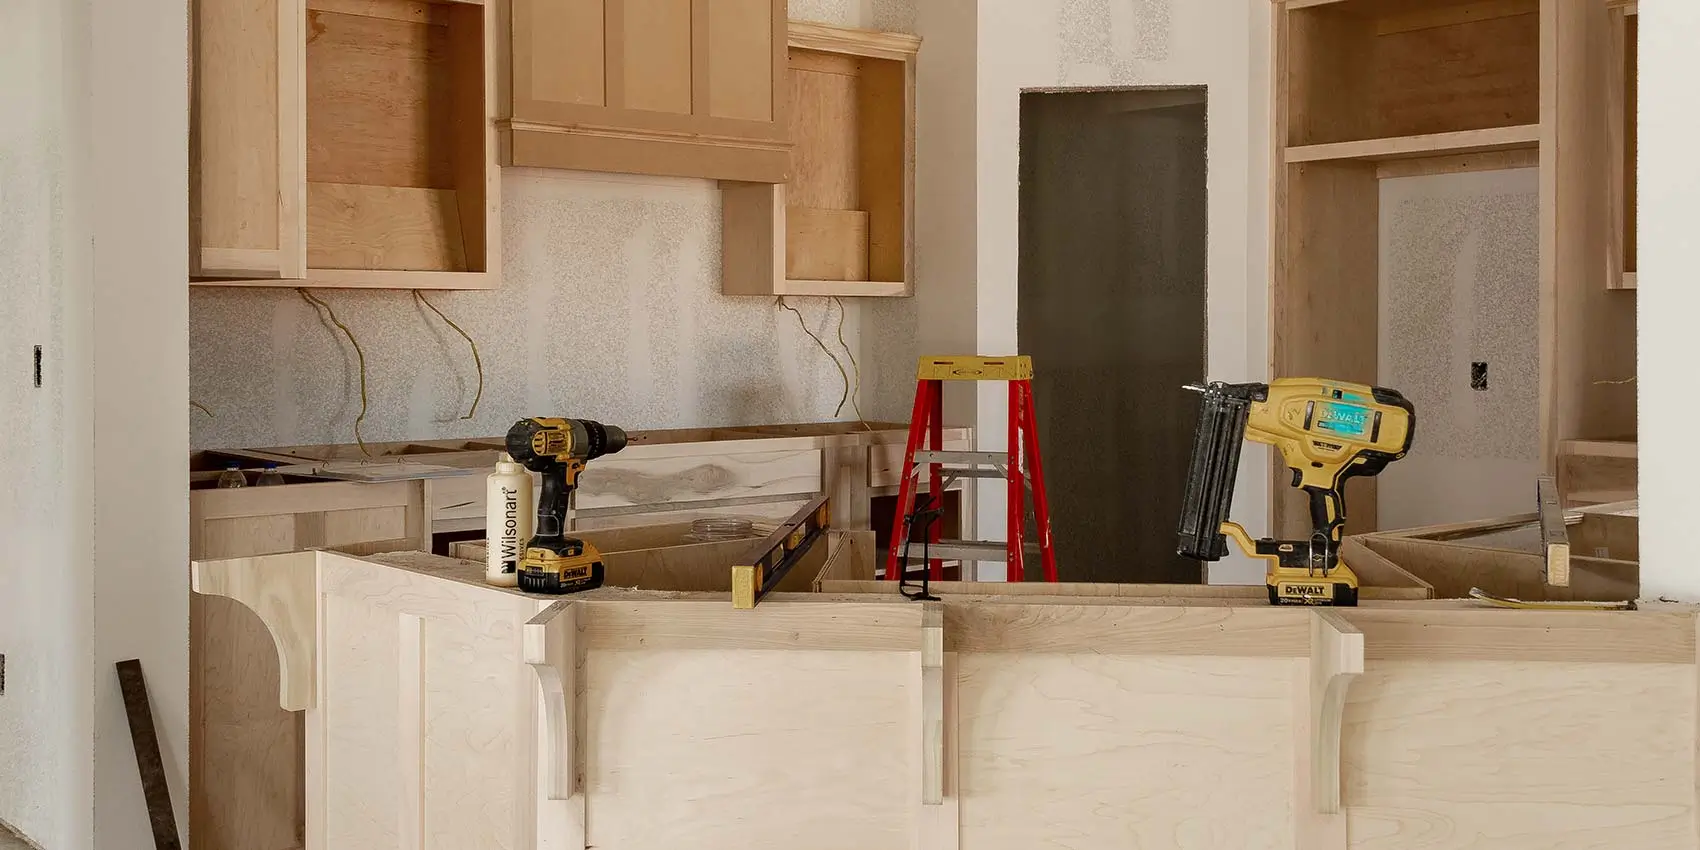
(932, 704)
(553, 648)
(1336, 658)
(282, 590)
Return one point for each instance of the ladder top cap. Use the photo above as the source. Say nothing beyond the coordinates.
(972, 368)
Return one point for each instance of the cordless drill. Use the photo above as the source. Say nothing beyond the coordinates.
(558, 449)
(1327, 431)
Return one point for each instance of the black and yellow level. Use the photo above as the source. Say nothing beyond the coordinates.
(772, 559)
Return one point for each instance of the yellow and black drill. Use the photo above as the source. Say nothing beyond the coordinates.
(558, 449)
(1327, 431)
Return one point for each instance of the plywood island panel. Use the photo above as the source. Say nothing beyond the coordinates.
(440, 709)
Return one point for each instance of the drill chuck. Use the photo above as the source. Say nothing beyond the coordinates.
(539, 442)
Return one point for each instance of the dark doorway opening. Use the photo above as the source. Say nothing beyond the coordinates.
(1112, 310)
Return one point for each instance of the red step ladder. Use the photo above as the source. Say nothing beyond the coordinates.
(927, 424)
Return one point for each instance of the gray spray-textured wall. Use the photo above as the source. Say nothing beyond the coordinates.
(609, 308)
(1460, 282)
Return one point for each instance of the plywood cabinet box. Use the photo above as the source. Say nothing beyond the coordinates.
(344, 143)
(844, 223)
(689, 88)
(1372, 89)
(439, 711)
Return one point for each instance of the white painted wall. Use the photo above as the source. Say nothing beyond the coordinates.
(140, 525)
(46, 572)
(1669, 302)
(968, 229)
(93, 224)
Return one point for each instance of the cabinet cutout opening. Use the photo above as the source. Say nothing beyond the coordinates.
(1371, 69)
(396, 135)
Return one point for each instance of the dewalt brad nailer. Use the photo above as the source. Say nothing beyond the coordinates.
(1327, 432)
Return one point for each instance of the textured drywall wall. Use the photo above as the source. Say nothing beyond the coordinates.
(610, 307)
(46, 600)
(140, 521)
(1220, 44)
(1460, 284)
(1668, 348)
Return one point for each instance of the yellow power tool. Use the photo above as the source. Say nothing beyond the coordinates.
(1327, 431)
(558, 449)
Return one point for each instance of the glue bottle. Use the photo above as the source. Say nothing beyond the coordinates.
(508, 517)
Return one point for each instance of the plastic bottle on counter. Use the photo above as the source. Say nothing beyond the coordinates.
(509, 513)
(270, 477)
(232, 477)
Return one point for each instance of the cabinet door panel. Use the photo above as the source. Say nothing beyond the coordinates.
(561, 59)
(650, 55)
(248, 148)
(734, 51)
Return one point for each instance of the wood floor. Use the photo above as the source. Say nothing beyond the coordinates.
(8, 841)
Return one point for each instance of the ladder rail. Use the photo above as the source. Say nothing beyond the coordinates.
(925, 447)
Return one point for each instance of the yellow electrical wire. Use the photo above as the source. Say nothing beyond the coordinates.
(331, 314)
(855, 394)
(477, 362)
(827, 351)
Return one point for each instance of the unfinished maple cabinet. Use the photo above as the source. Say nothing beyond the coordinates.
(844, 224)
(344, 143)
(686, 88)
(1621, 81)
(1371, 89)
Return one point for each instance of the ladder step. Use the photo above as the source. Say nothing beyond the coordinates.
(949, 472)
(989, 458)
(964, 550)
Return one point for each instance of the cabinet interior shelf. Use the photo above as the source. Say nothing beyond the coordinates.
(1520, 137)
(842, 224)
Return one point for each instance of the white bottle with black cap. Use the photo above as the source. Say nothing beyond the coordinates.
(508, 518)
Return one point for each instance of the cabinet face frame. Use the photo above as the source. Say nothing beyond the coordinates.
(249, 146)
(1325, 224)
(757, 231)
(248, 140)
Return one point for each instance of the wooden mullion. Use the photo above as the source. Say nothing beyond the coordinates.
(614, 54)
(700, 52)
(781, 72)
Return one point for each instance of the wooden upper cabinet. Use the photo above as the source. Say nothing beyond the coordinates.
(344, 143)
(691, 88)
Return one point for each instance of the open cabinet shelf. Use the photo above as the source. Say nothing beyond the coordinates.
(344, 143)
(1384, 69)
(844, 224)
(1520, 137)
(1366, 90)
